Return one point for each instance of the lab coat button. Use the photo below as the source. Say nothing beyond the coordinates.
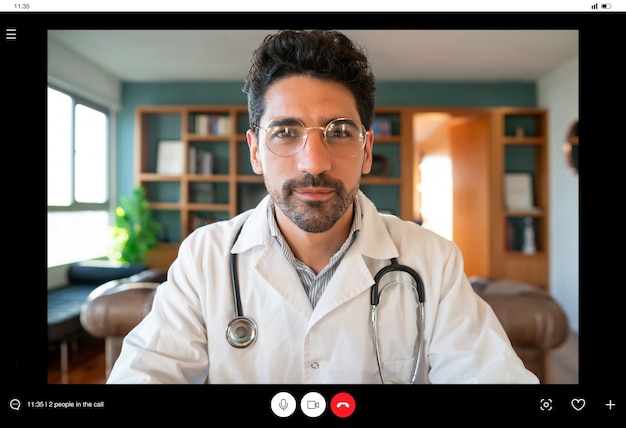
(315, 365)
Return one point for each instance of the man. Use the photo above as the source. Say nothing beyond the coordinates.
(301, 265)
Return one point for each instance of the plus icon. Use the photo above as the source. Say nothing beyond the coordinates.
(610, 404)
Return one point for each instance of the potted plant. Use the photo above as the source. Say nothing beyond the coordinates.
(135, 231)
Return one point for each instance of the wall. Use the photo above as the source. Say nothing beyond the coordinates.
(71, 71)
(558, 92)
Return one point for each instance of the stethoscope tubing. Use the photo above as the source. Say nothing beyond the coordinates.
(395, 266)
(241, 331)
(235, 285)
(375, 294)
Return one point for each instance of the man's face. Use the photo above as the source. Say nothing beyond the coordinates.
(313, 188)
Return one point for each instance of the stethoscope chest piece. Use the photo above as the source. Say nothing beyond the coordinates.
(241, 332)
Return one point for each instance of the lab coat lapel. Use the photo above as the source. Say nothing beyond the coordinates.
(271, 264)
(374, 239)
(273, 267)
(351, 278)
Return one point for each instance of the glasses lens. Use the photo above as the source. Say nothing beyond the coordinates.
(345, 137)
(285, 137)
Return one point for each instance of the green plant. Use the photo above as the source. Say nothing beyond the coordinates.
(135, 231)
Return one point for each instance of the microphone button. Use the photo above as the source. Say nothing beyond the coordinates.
(283, 404)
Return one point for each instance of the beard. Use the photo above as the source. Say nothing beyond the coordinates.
(313, 216)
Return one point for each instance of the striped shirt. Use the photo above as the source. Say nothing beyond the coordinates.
(314, 285)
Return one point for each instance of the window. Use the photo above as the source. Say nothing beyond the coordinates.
(78, 179)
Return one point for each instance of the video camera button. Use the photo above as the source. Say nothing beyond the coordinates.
(313, 404)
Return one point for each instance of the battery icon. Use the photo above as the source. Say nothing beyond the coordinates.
(606, 5)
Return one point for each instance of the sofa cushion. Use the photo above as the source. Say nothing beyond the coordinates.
(64, 310)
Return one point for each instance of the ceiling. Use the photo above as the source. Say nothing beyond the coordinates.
(426, 55)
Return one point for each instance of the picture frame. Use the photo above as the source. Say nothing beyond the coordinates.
(170, 157)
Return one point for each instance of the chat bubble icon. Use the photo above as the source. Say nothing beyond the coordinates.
(15, 404)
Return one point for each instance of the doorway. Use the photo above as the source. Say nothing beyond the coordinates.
(451, 189)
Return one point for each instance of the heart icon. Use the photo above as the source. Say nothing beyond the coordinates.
(578, 403)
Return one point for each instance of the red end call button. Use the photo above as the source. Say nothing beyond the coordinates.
(342, 405)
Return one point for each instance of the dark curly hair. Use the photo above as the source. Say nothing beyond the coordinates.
(323, 54)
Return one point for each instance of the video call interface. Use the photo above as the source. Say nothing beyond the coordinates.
(595, 392)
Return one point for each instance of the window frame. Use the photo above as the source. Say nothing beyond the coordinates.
(108, 205)
(84, 206)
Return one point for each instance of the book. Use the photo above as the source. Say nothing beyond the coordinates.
(518, 191)
(202, 124)
(382, 126)
(222, 125)
(210, 124)
(193, 160)
(202, 193)
(206, 162)
(170, 157)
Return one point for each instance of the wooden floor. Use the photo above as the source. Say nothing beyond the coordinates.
(86, 363)
(562, 366)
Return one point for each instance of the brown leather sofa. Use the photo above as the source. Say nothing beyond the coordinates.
(114, 308)
(534, 322)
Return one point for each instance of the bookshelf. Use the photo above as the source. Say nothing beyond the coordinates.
(520, 159)
(391, 186)
(515, 143)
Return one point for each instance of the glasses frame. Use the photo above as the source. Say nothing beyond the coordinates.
(321, 128)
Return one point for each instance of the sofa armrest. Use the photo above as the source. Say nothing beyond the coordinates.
(146, 276)
(115, 307)
(116, 310)
(529, 319)
(529, 315)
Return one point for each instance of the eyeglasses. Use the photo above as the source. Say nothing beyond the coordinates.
(286, 136)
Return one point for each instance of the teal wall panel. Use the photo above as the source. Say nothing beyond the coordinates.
(456, 94)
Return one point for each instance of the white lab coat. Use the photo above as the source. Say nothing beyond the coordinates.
(182, 340)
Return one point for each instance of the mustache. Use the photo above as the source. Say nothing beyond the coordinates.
(310, 180)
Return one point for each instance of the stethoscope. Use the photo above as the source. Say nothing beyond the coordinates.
(417, 285)
(242, 330)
